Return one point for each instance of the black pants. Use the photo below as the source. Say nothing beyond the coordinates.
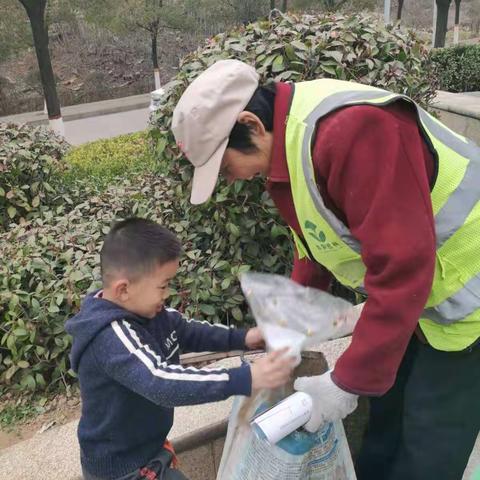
(158, 468)
(425, 427)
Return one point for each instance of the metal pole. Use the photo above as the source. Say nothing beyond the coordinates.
(434, 29)
(386, 11)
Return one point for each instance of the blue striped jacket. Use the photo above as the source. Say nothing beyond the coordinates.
(130, 380)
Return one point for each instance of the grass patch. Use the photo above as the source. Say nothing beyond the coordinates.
(100, 162)
(19, 412)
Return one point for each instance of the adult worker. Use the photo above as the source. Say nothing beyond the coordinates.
(382, 196)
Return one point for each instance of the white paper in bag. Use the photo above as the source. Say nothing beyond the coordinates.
(285, 417)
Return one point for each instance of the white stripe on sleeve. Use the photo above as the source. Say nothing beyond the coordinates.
(161, 363)
(157, 371)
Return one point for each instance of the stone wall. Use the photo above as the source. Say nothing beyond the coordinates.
(460, 112)
(467, 126)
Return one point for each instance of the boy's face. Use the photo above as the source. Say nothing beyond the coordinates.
(146, 296)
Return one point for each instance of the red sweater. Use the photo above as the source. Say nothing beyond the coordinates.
(374, 171)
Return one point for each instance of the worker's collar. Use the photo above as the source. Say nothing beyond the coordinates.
(278, 167)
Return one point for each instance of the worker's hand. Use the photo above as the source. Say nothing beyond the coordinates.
(273, 370)
(330, 402)
(254, 339)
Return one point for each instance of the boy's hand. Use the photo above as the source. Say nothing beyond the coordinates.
(273, 370)
(254, 339)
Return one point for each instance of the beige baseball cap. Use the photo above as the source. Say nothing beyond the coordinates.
(205, 115)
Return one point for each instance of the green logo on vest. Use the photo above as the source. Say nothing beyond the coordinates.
(320, 237)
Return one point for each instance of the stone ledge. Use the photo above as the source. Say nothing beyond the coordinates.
(465, 104)
(84, 110)
(200, 437)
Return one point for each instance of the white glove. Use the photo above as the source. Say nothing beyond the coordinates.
(330, 402)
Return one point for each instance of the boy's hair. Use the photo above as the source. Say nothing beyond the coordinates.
(136, 246)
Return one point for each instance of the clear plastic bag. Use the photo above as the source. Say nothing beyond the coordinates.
(295, 316)
(323, 455)
(298, 317)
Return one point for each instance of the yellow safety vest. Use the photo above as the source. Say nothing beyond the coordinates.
(451, 318)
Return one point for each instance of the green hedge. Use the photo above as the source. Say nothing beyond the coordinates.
(53, 261)
(306, 47)
(458, 68)
(30, 159)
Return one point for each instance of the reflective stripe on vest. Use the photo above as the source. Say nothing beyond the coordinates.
(453, 201)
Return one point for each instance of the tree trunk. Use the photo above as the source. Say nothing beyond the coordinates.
(36, 13)
(272, 4)
(284, 5)
(399, 10)
(154, 52)
(456, 30)
(457, 11)
(442, 22)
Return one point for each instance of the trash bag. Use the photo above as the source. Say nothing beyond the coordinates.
(295, 316)
(298, 317)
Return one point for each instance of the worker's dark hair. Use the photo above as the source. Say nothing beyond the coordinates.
(261, 104)
(134, 247)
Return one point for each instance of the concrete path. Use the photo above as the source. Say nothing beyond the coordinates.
(467, 104)
(84, 110)
(105, 126)
(460, 112)
(92, 121)
(54, 454)
(108, 118)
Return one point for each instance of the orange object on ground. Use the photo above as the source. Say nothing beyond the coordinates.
(168, 446)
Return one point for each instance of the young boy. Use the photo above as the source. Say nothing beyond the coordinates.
(126, 347)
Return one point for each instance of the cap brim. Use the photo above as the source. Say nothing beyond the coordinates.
(205, 177)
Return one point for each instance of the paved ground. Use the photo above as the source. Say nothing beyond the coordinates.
(467, 104)
(55, 453)
(105, 126)
(84, 110)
